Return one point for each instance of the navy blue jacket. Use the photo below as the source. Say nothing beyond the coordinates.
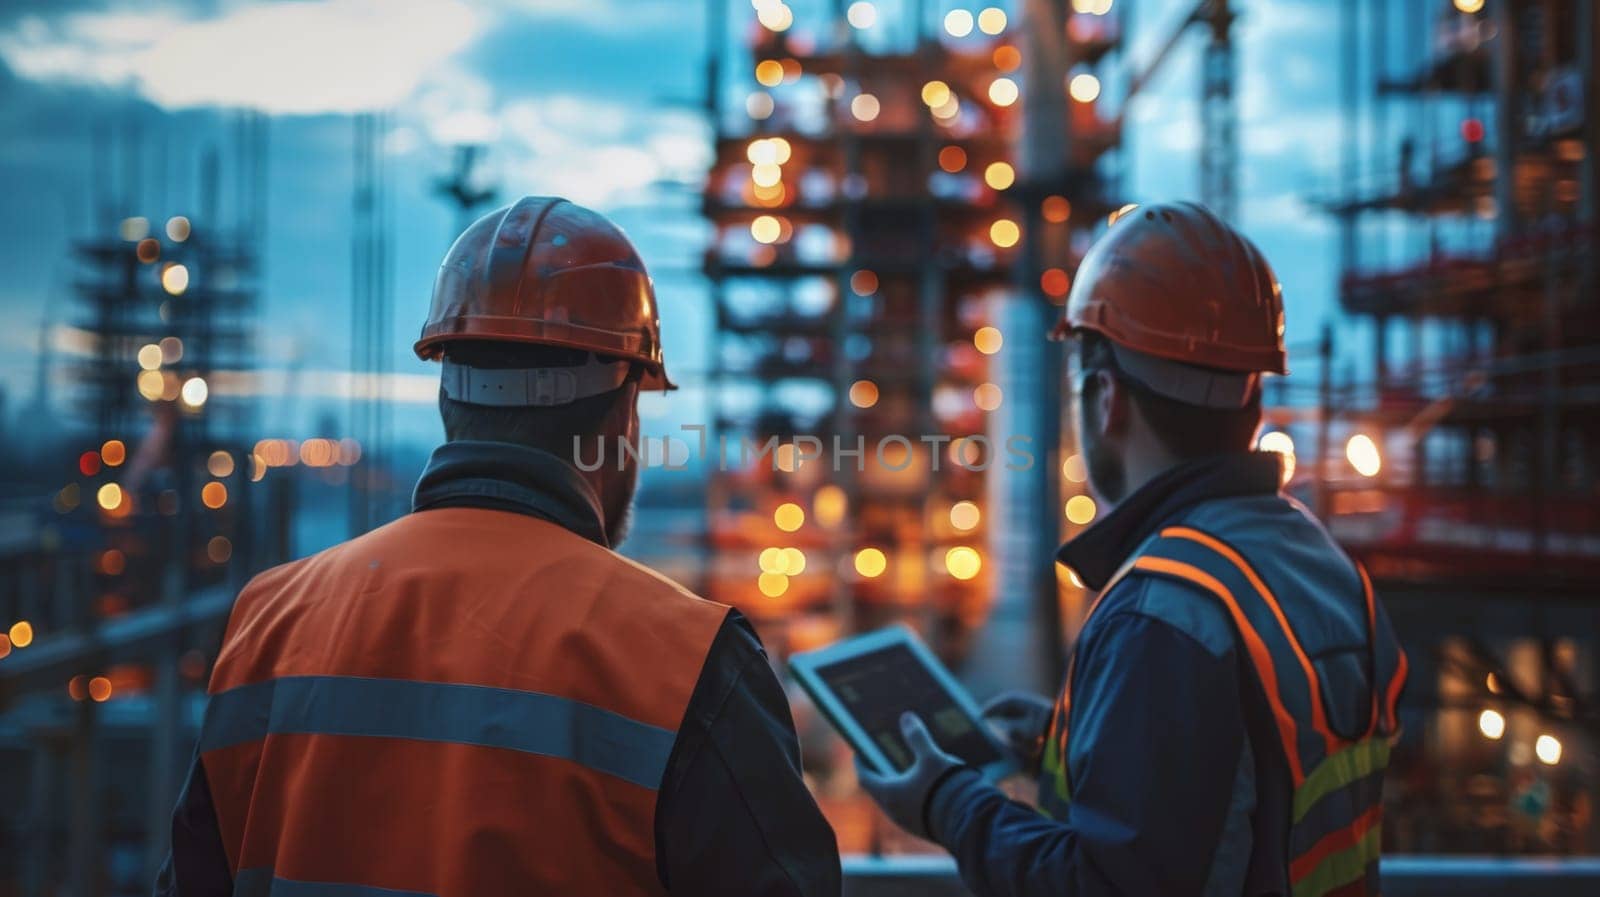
(724, 823)
(1168, 795)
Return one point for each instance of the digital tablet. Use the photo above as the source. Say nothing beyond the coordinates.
(863, 684)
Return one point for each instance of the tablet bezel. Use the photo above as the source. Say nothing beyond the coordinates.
(806, 667)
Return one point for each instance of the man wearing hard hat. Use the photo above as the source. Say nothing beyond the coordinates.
(1227, 713)
(481, 697)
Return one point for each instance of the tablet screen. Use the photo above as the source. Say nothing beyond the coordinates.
(878, 686)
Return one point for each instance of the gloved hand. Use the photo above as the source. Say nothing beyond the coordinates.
(904, 795)
(1022, 718)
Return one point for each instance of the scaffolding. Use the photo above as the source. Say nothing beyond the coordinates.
(110, 616)
(892, 199)
(1471, 466)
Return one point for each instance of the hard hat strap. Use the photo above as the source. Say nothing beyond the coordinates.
(1187, 383)
(531, 387)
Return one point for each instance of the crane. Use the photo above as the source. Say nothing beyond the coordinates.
(1218, 123)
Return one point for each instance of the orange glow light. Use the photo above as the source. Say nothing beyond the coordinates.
(864, 282)
(769, 72)
(214, 495)
(1055, 282)
(863, 393)
(830, 505)
(99, 689)
(1056, 209)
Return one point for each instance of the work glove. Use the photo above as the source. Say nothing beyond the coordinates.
(904, 795)
(1021, 718)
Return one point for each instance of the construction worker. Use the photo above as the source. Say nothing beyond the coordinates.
(1227, 713)
(482, 698)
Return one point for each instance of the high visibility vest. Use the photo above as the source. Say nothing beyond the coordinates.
(1334, 832)
(464, 702)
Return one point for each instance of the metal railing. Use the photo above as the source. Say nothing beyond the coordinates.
(1403, 876)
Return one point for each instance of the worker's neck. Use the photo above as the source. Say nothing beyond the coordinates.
(1145, 460)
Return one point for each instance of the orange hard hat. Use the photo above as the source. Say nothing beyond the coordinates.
(1174, 281)
(545, 271)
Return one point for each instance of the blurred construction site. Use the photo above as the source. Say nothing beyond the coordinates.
(863, 235)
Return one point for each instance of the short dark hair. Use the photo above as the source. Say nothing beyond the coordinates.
(545, 427)
(1186, 431)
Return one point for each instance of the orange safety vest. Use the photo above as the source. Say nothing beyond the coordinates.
(465, 702)
(1336, 778)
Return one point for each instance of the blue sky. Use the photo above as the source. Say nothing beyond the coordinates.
(593, 99)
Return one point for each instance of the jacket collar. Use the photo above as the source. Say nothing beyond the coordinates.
(1099, 551)
(505, 477)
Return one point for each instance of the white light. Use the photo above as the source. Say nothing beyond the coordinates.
(758, 105)
(948, 110)
(194, 392)
(1363, 455)
(150, 357)
(958, 22)
(862, 15)
(1084, 88)
(775, 17)
(864, 107)
(175, 279)
(1002, 91)
(766, 174)
(1280, 442)
(766, 229)
(1548, 750)
(1491, 724)
(992, 20)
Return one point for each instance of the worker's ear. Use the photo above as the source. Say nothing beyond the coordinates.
(1112, 401)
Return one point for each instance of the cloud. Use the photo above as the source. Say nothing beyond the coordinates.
(412, 56)
(599, 152)
(293, 58)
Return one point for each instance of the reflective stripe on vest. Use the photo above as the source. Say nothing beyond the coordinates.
(463, 702)
(1335, 832)
(435, 711)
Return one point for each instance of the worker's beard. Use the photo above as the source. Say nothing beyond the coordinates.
(619, 510)
(1108, 476)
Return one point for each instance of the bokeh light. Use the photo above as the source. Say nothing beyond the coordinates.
(963, 562)
(1080, 509)
(861, 15)
(988, 340)
(1084, 88)
(789, 517)
(964, 515)
(999, 175)
(1363, 455)
(992, 20)
(1005, 233)
(871, 562)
